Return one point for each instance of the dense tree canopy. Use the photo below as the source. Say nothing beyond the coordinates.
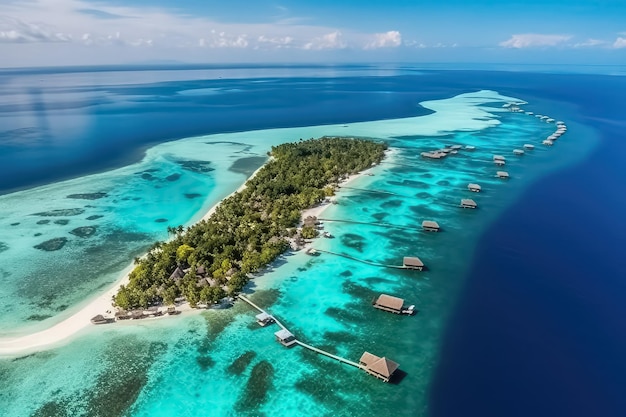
(248, 229)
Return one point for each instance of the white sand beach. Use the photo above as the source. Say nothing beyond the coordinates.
(80, 320)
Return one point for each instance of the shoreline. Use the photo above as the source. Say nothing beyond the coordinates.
(71, 326)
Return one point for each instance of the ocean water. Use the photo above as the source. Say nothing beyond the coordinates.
(222, 363)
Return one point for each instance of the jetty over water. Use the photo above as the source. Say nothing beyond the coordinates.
(381, 368)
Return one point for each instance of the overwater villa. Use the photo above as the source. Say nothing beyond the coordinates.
(475, 188)
(529, 146)
(285, 338)
(502, 174)
(433, 155)
(413, 262)
(468, 203)
(499, 162)
(392, 305)
(548, 142)
(264, 319)
(430, 226)
(499, 158)
(470, 147)
(456, 147)
(381, 368)
(518, 152)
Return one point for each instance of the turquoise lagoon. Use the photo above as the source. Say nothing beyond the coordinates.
(220, 362)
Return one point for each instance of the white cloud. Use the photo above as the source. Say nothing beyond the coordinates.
(590, 43)
(619, 43)
(14, 30)
(390, 39)
(222, 39)
(331, 40)
(532, 40)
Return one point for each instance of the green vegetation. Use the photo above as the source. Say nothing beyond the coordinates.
(248, 229)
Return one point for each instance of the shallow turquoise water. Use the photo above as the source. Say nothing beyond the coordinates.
(200, 362)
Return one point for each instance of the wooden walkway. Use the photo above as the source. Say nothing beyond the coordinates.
(343, 255)
(304, 345)
(387, 225)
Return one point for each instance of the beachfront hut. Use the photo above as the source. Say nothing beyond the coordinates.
(121, 315)
(100, 319)
(381, 368)
(264, 319)
(518, 152)
(430, 226)
(502, 174)
(285, 338)
(311, 221)
(468, 203)
(171, 311)
(413, 262)
(475, 188)
(529, 146)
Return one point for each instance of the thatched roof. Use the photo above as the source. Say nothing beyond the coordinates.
(382, 366)
(177, 274)
(283, 335)
(389, 301)
(430, 224)
(468, 202)
(412, 261)
(263, 316)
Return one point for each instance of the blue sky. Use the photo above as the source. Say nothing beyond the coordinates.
(82, 32)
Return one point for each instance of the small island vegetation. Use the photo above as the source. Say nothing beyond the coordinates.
(248, 230)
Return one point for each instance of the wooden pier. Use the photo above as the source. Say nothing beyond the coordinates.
(294, 341)
(386, 225)
(381, 265)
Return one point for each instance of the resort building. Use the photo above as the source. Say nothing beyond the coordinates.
(285, 338)
(100, 319)
(392, 305)
(430, 226)
(475, 188)
(381, 368)
(433, 155)
(413, 262)
(264, 319)
(468, 203)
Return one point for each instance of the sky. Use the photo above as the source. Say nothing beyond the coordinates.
(119, 32)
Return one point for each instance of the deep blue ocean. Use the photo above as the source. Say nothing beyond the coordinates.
(539, 327)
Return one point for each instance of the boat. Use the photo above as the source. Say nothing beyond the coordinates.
(327, 235)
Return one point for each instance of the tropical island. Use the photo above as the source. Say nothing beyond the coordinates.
(248, 230)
